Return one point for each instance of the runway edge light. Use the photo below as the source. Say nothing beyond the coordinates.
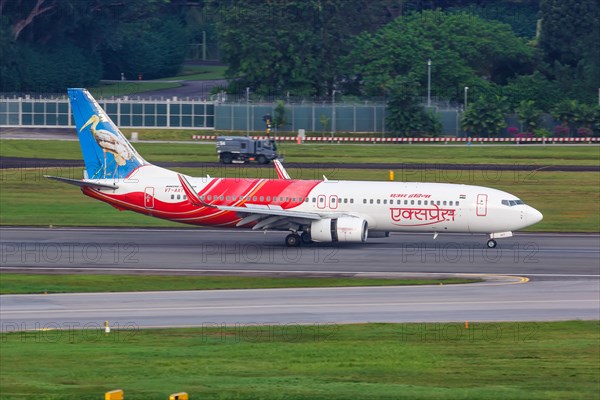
(179, 396)
(114, 395)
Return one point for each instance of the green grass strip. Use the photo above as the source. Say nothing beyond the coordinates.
(84, 283)
(554, 360)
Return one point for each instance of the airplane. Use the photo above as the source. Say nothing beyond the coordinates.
(311, 210)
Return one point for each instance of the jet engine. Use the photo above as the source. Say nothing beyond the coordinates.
(343, 229)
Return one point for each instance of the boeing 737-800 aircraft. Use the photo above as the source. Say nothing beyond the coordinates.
(311, 210)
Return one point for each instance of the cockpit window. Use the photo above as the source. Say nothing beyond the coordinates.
(511, 203)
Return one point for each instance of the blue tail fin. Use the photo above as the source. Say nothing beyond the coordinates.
(106, 152)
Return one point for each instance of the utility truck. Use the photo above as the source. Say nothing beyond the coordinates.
(240, 149)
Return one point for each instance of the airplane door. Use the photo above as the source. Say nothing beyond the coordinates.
(149, 197)
(482, 205)
(333, 201)
(321, 201)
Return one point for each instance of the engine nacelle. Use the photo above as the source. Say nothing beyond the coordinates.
(379, 234)
(344, 229)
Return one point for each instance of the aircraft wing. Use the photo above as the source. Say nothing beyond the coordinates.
(83, 182)
(274, 217)
(269, 210)
(262, 216)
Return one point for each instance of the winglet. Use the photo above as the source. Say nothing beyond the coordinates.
(281, 172)
(192, 196)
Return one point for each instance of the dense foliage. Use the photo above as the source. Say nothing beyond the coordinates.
(534, 54)
(465, 51)
(274, 47)
(570, 40)
(48, 45)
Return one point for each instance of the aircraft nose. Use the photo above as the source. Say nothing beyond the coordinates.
(533, 216)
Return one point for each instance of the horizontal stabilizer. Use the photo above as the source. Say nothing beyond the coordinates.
(83, 183)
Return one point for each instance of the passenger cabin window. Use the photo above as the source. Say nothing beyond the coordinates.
(351, 201)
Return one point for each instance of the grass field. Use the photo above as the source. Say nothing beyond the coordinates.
(569, 200)
(335, 153)
(133, 87)
(84, 283)
(128, 88)
(199, 73)
(555, 360)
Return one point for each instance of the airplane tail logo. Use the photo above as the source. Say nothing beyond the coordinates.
(106, 152)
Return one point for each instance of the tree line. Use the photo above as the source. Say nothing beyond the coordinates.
(49, 45)
(509, 53)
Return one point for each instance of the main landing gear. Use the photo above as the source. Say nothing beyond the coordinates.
(491, 244)
(294, 240)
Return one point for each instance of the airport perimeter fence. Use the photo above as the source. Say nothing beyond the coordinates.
(323, 118)
(28, 112)
(18, 111)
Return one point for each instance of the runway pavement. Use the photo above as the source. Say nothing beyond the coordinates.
(188, 250)
(536, 301)
(563, 272)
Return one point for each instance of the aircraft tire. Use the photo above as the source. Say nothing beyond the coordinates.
(491, 244)
(292, 240)
(306, 239)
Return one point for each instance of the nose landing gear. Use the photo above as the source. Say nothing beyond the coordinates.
(491, 244)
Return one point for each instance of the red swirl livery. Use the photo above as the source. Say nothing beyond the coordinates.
(310, 210)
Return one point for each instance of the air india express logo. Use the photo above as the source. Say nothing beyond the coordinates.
(421, 216)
